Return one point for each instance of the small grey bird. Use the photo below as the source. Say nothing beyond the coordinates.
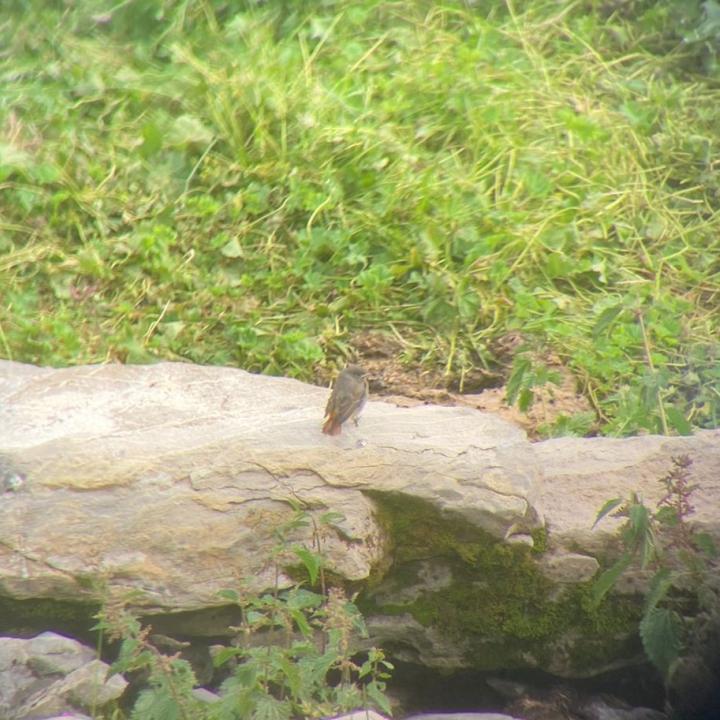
(349, 395)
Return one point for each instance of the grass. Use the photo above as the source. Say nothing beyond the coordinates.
(250, 184)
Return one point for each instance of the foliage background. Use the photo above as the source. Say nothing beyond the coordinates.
(251, 183)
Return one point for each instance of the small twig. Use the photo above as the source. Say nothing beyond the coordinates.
(153, 327)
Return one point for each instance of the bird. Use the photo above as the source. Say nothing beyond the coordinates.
(349, 395)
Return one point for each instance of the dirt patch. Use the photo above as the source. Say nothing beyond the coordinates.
(391, 380)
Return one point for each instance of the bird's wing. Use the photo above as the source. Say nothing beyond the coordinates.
(350, 400)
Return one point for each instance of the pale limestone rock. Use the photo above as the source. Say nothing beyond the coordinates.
(51, 654)
(361, 715)
(89, 686)
(171, 479)
(51, 674)
(412, 642)
(568, 567)
(580, 475)
(205, 695)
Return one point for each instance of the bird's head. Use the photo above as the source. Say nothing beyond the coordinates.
(356, 371)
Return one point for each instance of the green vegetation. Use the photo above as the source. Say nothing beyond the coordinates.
(251, 183)
(665, 542)
(295, 653)
(304, 666)
(40, 614)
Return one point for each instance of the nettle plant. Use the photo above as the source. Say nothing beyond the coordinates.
(664, 541)
(295, 653)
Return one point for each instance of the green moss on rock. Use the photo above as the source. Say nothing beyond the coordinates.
(21, 617)
(496, 603)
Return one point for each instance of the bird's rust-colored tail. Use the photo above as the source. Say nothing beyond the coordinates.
(332, 426)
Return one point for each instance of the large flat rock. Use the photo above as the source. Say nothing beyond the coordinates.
(581, 474)
(177, 481)
(172, 479)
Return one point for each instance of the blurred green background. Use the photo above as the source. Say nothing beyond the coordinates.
(253, 183)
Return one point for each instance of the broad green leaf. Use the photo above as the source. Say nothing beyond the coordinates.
(678, 421)
(302, 623)
(605, 582)
(521, 367)
(312, 562)
(376, 694)
(607, 508)
(661, 582)
(269, 708)
(225, 654)
(661, 633)
(526, 399)
(301, 598)
(252, 617)
(606, 318)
